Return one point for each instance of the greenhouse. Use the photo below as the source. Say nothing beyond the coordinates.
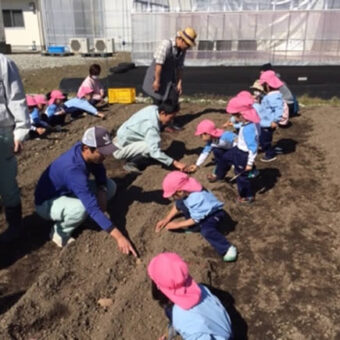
(230, 32)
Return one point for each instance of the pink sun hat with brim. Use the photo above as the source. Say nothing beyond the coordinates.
(177, 180)
(209, 127)
(83, 91)
(55, 94)
(40, 99)
(30, 100)
(243, 104)
(171, 275)
(246, 94)
(270, 78)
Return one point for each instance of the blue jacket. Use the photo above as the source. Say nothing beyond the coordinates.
(208, 320)
(226, 142)
(201, 204)
(68, 176)
(271, 109)
(81, 104)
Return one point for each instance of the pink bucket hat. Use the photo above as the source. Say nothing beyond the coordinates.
(243, 104)
(209, 127)
(246, 95)
(40, 99)
(30, 100)
(55, 94)
(171, 276)
(176, 180)
(270, 78)
(83, 91)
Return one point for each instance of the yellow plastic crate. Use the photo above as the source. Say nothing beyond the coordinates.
(122, 96)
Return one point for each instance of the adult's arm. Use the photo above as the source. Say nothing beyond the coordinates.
(16, 102)
(78, 183)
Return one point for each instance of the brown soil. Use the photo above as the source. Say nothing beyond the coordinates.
(284, 284)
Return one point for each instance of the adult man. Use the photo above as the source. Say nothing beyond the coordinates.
(14, 128)
(65, 195)
(166, 68)
(139, 137)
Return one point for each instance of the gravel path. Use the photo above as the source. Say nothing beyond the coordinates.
(37, 61)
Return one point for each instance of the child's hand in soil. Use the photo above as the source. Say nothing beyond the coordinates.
(172, 225)
(191, 168)
(101, 115)
(161, 224)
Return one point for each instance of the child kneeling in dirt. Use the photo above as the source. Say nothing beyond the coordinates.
(82, 103)
(243, 155)
(217, 140)
(38, 126)
(193, 311)
(199, 207)
(55, 112)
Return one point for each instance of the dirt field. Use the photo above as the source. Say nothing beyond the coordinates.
(284, 285)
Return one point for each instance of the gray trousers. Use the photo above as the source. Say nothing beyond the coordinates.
(69, 212)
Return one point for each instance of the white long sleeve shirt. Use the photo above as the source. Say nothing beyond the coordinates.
(13, 108)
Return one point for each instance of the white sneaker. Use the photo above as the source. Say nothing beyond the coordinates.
(231, 254)
(59, 240)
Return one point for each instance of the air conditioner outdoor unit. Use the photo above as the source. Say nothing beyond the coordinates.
(104, 45)
(79, 45)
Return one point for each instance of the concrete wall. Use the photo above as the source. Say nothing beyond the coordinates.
(23, 37)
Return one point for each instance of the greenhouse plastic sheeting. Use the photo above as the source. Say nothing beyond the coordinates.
(307, 35)
(66, 19)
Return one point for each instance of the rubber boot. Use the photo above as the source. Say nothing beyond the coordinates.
(13, 218)
(140, 162)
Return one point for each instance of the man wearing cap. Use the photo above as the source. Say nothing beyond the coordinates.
(65, 195)
(166, 68)
(14, 129)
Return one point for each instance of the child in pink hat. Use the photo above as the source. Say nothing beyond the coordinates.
(201, 209)
(193, 311)
(271, 111)
(55, 112)
(38, 126)
(77, 106)
(217, 141)
(243, 155)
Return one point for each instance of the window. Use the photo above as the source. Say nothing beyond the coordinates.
(13, 18)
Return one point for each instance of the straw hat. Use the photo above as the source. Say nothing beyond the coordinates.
(188, 35)
(257, 86)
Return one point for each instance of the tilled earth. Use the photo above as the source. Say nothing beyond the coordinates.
(284, 285)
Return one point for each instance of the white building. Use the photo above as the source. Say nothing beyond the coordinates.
(22, 23)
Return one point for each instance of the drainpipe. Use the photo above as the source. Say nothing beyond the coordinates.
(40, 25)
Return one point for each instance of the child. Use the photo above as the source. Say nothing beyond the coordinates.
(76, 106)
(193, 311)
(92, 81)
(216, 140)
(242, 156)
(38, 126)
(258, 93)
(270, 112)
(198, 207)
(55, 113)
